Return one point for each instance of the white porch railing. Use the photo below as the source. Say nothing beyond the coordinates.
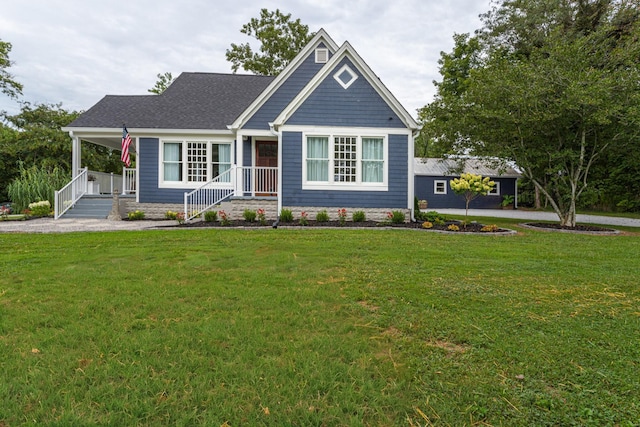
(209, 194)
(129, 177)
(67, 197)
(239, 181)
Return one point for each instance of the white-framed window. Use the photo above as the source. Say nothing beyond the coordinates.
(190, 163)
(440, 186)
(349, 162)
(495, 191)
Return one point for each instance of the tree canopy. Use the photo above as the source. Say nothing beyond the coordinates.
(551, 85)
(8, 85)
(163, 82)
(281, 39)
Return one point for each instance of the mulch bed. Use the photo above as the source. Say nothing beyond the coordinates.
(579, 228)
(469, 228)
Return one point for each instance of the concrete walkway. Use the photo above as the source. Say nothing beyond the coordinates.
(67, 225)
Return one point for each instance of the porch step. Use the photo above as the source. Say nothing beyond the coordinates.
(91, 207)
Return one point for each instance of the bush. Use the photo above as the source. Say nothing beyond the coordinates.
(249, 215)
(135, 215)
(170, 215)
(396, 217)
(286, 215)
(322, 216)
(433, 217)
(36, 184)
(427, 225)
(210, 216)
(41, 208)
(359, 216)
(453, 227)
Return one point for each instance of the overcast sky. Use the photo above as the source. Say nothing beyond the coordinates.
(76, 51)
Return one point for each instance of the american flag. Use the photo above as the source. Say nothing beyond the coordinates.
(126, 142)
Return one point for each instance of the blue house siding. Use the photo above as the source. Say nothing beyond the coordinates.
(359, 105)
(294, 195)
(284, 95)
(148, 179)
(424, 190)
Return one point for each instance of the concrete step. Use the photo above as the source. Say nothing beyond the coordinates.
(90, 207)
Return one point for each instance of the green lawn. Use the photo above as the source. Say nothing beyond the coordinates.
(305, 327)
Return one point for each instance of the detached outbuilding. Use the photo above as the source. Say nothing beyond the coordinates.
(432, 176)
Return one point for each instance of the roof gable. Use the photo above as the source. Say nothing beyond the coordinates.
(333, 66)
(321, 39)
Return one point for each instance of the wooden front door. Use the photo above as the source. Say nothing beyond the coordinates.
(266, 157)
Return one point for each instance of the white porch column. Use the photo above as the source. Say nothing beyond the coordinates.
(76, 155)
(239, 161)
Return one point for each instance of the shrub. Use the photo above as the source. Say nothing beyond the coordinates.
(135, 215)
(261, 216)
(434, 217)
(170, 215)
(286, 215)
(210, 216)
(224, 218)
(490, 228)
(342, 216)
(180, 217)
(249, 215)
(396, 217)
(427, 224)
(303, 218)
(41, 208)
(322, 216)
(453, 227)
(359, 216)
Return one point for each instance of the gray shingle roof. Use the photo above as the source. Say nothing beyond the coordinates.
(193, 101)
(451, 167)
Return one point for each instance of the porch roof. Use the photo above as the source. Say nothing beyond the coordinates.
(192, 101)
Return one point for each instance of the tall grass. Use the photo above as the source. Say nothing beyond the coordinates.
(36, 184)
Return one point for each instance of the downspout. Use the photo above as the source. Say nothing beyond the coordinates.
(278, 133)
(412, 175)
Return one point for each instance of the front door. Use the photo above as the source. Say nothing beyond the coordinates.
(266, 157)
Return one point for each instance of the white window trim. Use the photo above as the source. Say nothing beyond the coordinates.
(348, 70)
(435, 186)
(346, 186)
(496, 189)
(184, 184)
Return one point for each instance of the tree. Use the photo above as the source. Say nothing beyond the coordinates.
(470, 186)
(8, 85)
(36, 140)
(164, 81)
(281, 40)
(556, 86)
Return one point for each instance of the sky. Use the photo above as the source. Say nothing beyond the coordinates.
(75, 52)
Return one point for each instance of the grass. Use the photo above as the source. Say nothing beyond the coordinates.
(319, 327)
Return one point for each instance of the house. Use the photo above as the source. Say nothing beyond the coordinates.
(323, 134)
(432, 178)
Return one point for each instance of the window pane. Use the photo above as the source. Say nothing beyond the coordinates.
(317, 159)
(221, 161)
(372, 159)
(344, 167)
(172, 161)
(196, 161)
